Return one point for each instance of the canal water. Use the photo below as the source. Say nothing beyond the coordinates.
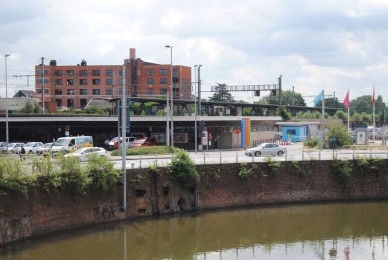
(323, 231)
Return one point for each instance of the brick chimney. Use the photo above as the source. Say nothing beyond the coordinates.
(132, 53)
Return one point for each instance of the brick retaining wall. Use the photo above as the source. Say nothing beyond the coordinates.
(155, 194)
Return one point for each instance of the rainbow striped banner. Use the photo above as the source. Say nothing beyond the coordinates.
(245, 132)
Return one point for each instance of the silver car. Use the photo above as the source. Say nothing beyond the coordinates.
(266, 149)
(13, 148)
(32, 147)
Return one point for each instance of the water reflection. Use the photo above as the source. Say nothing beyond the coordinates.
(328, 231)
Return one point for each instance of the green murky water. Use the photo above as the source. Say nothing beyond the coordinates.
(324, 231)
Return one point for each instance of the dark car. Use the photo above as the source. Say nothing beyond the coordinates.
(145, 141)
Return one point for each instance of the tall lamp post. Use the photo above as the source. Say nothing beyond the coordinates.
(6, 102)
(172, 98)
(195, 108)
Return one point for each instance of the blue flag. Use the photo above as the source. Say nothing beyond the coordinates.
(318, 98)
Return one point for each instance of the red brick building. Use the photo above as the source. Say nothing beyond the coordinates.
(73, 86)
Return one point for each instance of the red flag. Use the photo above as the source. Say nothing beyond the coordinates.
(346, 100)
(373, 97)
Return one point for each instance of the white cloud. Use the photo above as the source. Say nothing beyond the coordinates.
(313, 44)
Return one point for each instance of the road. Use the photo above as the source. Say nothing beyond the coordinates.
(295, 152)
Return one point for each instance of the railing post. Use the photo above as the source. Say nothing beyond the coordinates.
(140, 161)
(302, 154)
(237, 157)
(319, 154)
(220, 158)
(353, 154)
(156, 161)
(204, 162)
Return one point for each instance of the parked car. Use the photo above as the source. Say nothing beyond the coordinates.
(13, 148)
(114, 144)
(145, 141)
(32, 147)
(45, 149)
(266, 149)
(84, 153)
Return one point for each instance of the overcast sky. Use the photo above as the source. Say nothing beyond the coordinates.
(317, 44)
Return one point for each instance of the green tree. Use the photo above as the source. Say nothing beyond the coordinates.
(288, 98)
(364, 104)
(331, 102)
(222, 94)
(341, 134)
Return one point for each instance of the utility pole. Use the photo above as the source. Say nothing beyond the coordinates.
(293, 95)
(43, 85)
(199, 105)
(280, 91)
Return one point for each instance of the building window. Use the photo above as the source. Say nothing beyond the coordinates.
(70, 103)
(70, 81)
(58, 92)
(39, 81)
(175, 73)
(150, 91)
(58, 82)
(58, 73)
(120, 81)
(83, 91)
(150, 81)
(163, 81)
(83, 102)
(96, 91)
(96, 73)
(70, 92)
(96, 81)
(70, 72)
(83, 73)
(39, 72)
(108, 81)
(83, 81)
(109, 91)
(39, 90)
(163, 72)
(150, 72)
(59, 102)
(109, 73)
(163, 91)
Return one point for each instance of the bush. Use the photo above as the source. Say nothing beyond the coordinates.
(312, 143)
(183, 169)
(142, 150)
(103, 176)
(247, 170)
(12, 178)
(73, 177)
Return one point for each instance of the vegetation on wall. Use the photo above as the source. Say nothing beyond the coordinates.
(248, 169)
(366, 165)
(53, 175)
(343, 170)
(183, 170)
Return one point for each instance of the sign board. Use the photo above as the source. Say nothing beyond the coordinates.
(204, 137)
(361, 136)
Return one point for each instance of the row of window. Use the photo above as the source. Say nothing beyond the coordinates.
(108, 72)
(59, 82)
(151, 72)
(108, 91)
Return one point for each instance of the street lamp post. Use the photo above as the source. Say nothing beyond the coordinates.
(6, 102)
(172, 98)
(195, 108)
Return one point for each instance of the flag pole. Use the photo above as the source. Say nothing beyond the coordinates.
(374, 114)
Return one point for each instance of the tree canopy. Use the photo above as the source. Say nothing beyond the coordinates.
(288, 98)
(222, 94)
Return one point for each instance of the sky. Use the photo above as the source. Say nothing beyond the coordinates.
(333, 45)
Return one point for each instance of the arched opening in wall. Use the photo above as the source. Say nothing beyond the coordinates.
(182, 204)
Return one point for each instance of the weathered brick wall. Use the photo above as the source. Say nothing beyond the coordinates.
(150, 193)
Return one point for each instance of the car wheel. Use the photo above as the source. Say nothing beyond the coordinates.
(257, 153)
(30, 152)
(11, 151)
(280, 153)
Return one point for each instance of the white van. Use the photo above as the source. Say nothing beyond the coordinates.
(70, 144)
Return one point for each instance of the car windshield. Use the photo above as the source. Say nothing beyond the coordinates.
(61, 142)
(139, 141)
(29, 144)
(261, 145)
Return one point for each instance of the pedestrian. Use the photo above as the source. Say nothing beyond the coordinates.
(216, 142)
(22, 154)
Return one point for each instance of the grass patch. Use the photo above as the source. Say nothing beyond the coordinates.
(143, 150)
